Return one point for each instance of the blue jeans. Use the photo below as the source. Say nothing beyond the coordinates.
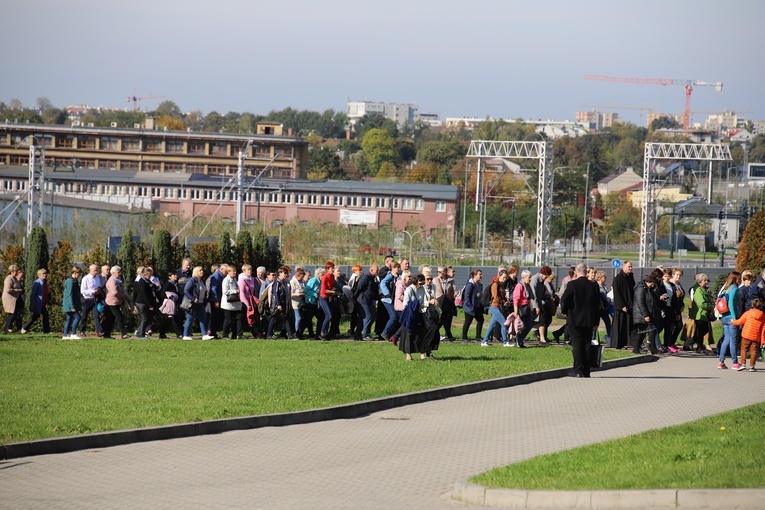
(370, 312)
(390, 326)
(198, 311)
(324, 304)
(296, 313)
(496, 318)
(730, 340)
(70, 325)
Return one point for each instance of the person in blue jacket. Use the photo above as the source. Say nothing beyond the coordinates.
(38, 302)
(472, 305)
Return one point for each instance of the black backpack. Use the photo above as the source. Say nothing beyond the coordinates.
(486, 298)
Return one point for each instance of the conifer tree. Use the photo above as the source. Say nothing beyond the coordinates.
(163, 254)
(37, 258)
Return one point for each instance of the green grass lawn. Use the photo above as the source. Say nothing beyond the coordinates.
(722, 451)
(51, 387)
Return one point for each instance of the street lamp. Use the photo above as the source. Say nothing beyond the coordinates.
(411, 237)
(265, 216)
(584, 218)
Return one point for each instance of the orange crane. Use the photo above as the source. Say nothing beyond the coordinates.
(688, 84)
(135, 99)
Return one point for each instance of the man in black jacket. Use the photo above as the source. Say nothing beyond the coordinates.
(145, 301)
(581, 304)
(366, 295)
(624, 288)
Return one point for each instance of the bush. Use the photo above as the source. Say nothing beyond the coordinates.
(751, 250)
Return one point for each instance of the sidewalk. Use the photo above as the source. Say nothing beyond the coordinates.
(409, 457)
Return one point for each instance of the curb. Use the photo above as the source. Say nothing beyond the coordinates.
(691, 499)
(347, 411)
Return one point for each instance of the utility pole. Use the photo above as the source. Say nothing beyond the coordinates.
(36, 187)
(584, 218)
(240, 191)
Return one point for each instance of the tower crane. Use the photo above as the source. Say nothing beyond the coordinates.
(135, 99)
(688, 84)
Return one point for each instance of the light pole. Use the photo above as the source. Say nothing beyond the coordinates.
(265, 216)
(584, 217)
(411, 237)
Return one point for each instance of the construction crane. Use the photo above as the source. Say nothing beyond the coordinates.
(688, 84)
(135, 99)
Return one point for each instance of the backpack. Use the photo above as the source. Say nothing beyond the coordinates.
(458, 296)
(486, 297)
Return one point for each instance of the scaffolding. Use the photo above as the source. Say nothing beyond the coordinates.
(539, 151)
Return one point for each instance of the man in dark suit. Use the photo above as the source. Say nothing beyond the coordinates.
(581, 305)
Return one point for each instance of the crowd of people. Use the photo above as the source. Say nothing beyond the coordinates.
(412, 309)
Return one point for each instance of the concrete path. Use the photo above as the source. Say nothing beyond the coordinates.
(403, 458)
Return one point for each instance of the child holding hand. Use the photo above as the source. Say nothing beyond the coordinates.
(753, 333)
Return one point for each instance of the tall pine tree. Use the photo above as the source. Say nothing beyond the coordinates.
(37, 258)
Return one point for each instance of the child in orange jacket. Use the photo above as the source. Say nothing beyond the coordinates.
(753, 332)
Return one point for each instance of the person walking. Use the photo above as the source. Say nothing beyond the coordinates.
(646, 313)
(581, 304)
(366, 295)
(624, 288)
(72, 304)
(297, 295)
(388, 291)
(38, 302)
(522, 295)
(90, 289)
(702, 305)
(231, 304)
(326, 291)
(196, 291)
(13, 299)
(115, 297)
(753, 333)
(729, 343)
(472, 304)
(498, 303)
(145, 302)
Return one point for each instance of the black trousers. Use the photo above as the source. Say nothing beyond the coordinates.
(478, 326)
(232, 323)
(580, 341)
(35, 316)
(447, 315)
(89, 305)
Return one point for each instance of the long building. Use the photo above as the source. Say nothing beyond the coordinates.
(86, 168)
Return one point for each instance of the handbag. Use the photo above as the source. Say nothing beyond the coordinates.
(186, 304)
(721, 305)
(232, 298)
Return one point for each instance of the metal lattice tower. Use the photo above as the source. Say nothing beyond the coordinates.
(36, 187)
(537, 150)
(652, 184)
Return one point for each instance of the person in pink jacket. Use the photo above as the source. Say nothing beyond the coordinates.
(248, 299)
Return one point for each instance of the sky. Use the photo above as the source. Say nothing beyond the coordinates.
(477, 58)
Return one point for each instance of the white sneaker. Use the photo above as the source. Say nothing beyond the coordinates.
(187, 338)
(508, 344)
(207, 337)
(74, 337)
(23, 331)
(65, 337)
(484, 344)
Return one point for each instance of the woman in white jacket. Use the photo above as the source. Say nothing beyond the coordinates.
(231, 303)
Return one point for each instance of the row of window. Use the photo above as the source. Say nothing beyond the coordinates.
(335, 200)
(112, 143)
(146, 166)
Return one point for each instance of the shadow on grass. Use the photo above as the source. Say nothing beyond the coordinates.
(463, 358)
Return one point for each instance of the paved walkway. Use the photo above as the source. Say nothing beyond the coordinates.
(402, 458)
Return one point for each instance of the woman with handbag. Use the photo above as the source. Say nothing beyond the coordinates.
(115, 298)
(522, 296)
(702, 306)
(727, 306)
(13, 297)
(646, 314)
(231, 303)
(431, 316)
(72, 305)
(498, 303)
(194, 304)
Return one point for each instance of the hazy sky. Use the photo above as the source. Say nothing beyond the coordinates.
(473, 58)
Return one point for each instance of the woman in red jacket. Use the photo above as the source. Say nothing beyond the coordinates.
(326, 291)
